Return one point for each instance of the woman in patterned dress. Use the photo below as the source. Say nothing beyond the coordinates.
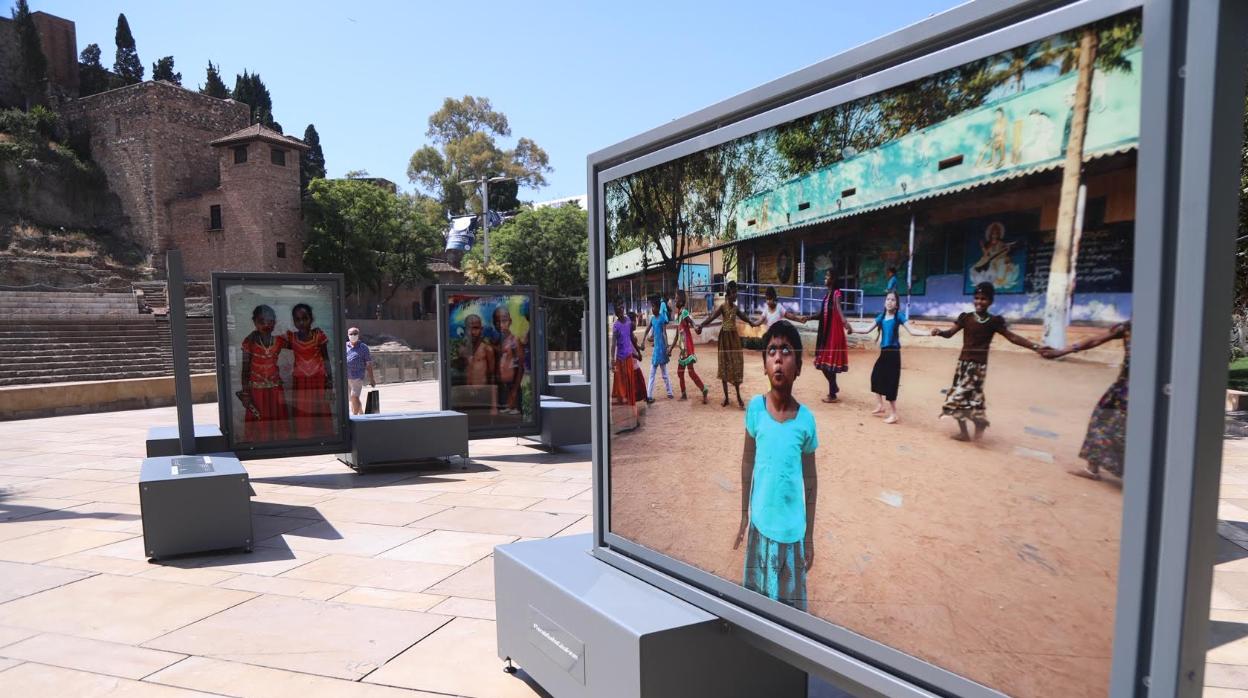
(265, 418)
(1105, 443)
(731, 367)
(313, 382)
(831, 347)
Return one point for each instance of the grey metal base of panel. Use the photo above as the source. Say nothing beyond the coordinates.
(565, 423)
(404, 437)
(163, 441)
(194, 504)
(580, 627)
(572, 392)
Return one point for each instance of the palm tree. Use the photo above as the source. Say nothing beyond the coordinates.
(485, 273)
(1093, 47)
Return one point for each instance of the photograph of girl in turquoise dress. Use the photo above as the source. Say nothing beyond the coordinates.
(778, 477)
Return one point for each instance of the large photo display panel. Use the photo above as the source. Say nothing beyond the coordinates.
(898, 400)
(488, 357)
(280, 345)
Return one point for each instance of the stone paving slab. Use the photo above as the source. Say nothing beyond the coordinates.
(364, 586)
(344, 641)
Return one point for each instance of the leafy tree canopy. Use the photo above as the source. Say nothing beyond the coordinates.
(369, 235)
(465, 137)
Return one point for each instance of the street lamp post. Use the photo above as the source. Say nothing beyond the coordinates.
(485, 209)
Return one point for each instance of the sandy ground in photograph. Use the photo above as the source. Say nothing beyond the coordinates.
(987, 559)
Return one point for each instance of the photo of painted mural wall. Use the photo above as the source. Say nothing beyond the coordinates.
(872, 363)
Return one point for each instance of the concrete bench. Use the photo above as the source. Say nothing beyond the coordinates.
(194, 504)
(571, 392)
(565, 424)
(163, 441)
(405, 437)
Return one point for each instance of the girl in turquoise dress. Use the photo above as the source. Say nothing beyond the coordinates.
(778, 478)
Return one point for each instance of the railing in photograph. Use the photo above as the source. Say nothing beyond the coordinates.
(799, 299)
(563, 360)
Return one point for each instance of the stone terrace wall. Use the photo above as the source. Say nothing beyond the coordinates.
(151, 140)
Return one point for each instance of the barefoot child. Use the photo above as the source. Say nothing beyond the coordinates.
(262, 394)
(831, 348)
(778, 478)
(313, 382)
(1105, 444)
(660, 355)
(510, 361)
(966, 396)
(886, 375)
(731, 367)
(684, 338)
(623, 349)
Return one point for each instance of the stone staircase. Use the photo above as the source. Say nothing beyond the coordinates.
(48, 337)
(155, 295)
(68, 304)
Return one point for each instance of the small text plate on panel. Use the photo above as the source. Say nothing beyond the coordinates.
(560, 646)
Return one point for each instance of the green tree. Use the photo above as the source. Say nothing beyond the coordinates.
(163, 70)
(250, 89)
(405, 253)
(823, 138)
(464, 134)
(34, 66)
(312, 162)
(92, 77)
(127, 66)
(214, 86)
(549, 248)
(369, 235)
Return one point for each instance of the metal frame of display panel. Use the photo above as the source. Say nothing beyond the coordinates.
(225, 403)
(1181, 290)
(536, 353)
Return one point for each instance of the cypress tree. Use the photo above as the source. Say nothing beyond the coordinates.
(127, 66)
(213, 85)
(34, 68)
(250, 90)
(163, 70)
(312, 162)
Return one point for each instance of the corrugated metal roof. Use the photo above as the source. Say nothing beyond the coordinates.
(921, 196)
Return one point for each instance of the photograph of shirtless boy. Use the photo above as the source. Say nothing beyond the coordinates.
(488, 336)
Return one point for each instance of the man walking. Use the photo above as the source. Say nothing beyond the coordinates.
(359, 363)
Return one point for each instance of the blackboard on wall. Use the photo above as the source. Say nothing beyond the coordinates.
(1103, 266)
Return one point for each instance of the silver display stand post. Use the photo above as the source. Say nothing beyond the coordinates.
(176, 285)
(582, 628)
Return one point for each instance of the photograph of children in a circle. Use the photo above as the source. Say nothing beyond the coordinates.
(277, 351)
(489, 352)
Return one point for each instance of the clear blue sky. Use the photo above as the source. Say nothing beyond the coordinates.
(573, 76)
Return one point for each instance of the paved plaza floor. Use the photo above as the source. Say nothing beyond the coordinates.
(361, 586)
